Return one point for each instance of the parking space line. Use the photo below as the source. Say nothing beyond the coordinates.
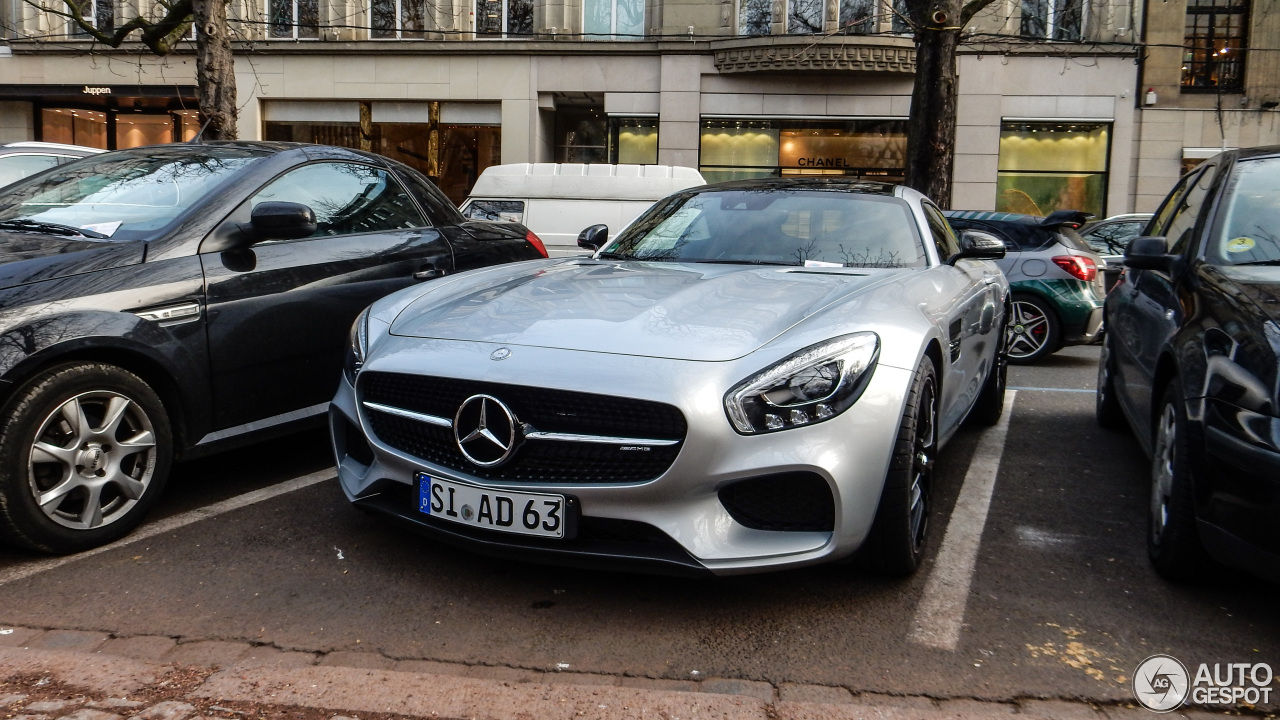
(150, 530)
(1044, 389)
(940, 612)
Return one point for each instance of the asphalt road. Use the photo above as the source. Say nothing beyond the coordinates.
(1062, 601)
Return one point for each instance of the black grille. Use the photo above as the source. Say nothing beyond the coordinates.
(544, 461)
(798, 502)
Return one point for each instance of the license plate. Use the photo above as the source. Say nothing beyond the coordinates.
(538, 514)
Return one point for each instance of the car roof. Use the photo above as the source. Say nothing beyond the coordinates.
(266, 147)
(866, 187)
(29, 145)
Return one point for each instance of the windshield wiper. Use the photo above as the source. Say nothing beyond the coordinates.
(1258, 262)
(615, 256)
(745, 262)
(49, 228)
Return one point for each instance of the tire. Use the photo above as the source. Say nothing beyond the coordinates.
(1106, 404)
(99, 435)
(895, 545)
(989, 406)
(1173, 540)
(1034, 330)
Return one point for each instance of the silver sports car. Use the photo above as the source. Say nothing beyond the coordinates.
(752, 376)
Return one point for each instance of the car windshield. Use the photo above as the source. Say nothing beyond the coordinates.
(814, 228)
(129, 195)
(1250, 230)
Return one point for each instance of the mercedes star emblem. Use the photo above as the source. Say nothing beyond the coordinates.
(500, 354)
(485, 430)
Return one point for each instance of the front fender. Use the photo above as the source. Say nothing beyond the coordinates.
(161, 355)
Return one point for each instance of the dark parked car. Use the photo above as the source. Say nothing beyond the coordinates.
(1191, 361)
(1057, 291)
(168, 301)
(21, 159)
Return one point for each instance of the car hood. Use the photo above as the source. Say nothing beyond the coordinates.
(668, 310)
(1259, 283)
(30, 257)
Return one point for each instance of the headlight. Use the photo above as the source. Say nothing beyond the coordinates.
(808, 387)
(357, 347)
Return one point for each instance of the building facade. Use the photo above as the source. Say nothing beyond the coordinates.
(1050, 113)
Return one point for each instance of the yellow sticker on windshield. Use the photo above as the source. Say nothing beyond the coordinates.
(1241, 244)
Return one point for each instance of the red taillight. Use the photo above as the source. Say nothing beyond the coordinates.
(1079, 267)
(536, 242)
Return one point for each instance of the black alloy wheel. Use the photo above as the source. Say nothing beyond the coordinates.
(895, 545)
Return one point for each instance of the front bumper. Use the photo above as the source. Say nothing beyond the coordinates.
(674, 523)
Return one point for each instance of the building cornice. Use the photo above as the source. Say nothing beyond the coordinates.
(791, 53)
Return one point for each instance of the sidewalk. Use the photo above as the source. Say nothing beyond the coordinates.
(70, 675)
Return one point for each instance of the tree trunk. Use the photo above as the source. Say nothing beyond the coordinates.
(931, 128)
(215, 70)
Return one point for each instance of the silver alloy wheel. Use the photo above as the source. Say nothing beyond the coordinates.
(1028, 330)
(1163, 462)
(92, 459)
(925, 446)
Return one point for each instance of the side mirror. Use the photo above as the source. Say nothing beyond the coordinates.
(594, 237)
(1150, 253)
(280, 221)
(978, 245)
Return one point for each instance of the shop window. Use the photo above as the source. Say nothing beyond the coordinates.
(1213, 59)
(582, 136)
(741, 149)
(857, 17)
(397, 19)
(804, 17)
(450, 148)
(1048, 166)
(1052, 19)
(613, 18)
(74, 127)
(633, 140)
(755, 17)
(293, 19)
(504, 18)
(137, 129)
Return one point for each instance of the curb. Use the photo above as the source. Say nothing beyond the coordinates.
(93, 683)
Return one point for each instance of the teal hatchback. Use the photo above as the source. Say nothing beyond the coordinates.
(1056, 279)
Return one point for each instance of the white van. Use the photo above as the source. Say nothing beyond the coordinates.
(559, 200)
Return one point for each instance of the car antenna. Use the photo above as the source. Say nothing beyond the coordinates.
(196, 140)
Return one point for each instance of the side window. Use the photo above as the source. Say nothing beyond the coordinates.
(1183, 218)
(347, 198)
(15, 167)
(943, 238)
(439, 207)
(1161, 218)
(500, 210)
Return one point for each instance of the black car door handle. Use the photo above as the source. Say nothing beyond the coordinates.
(428, 272)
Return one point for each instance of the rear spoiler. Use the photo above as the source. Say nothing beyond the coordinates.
(1074, 218)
